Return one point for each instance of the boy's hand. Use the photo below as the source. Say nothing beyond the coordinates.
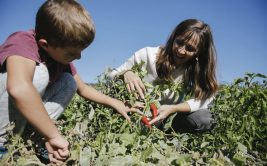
(124, 109)
(57, 149)
(134, 83)
(137, 106)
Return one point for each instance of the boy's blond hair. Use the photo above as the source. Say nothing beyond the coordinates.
(64, 23)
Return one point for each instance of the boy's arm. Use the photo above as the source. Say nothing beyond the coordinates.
(20, 73)
(90, 93)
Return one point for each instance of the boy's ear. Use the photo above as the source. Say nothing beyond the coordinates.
(43, 43)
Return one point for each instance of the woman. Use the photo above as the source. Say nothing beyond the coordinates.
(188, 57)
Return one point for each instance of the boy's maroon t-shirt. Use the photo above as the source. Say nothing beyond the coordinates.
(23, 44)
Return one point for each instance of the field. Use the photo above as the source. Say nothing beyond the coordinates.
(100, 136)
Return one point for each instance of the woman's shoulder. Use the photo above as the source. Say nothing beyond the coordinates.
(148, 51)
(152, 49)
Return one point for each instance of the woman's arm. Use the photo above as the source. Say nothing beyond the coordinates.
(187, 106)
(137, 57)
(133, 82)
(199, 104)
(165, 110)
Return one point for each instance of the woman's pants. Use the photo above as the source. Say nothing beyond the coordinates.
(195, 122)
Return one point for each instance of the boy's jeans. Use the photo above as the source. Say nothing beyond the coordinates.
(55, 98)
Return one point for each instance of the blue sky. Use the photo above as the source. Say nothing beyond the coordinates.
(125, 26)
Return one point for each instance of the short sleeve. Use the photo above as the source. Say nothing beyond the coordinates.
(73, 69)
(22, 44)
(196, 105)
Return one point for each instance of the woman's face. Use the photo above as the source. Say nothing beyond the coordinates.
(185, 50)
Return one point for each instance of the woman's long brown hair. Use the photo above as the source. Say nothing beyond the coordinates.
(199, 75)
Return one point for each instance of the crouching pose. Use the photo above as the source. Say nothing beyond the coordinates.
(188, 57)
(38, 78)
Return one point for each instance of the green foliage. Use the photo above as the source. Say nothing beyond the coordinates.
(242, 113)
(100, 136)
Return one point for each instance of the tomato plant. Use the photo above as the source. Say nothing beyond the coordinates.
(100, 136)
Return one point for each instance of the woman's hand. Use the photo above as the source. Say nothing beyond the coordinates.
(134, 83)
(123, 109)
(163, 112)
(58, 149)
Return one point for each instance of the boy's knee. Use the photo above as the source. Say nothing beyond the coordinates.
(69, 81)
(3, 80)
(58, 95)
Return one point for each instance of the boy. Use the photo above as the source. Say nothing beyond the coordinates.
(37, 78)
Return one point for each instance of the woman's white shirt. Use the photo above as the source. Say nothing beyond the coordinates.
(149, 55)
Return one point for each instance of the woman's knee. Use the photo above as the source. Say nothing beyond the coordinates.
(199, 121)
(203, 120)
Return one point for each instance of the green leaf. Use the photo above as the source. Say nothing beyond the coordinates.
(242, 147)
(146, 153)
(85, 156)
